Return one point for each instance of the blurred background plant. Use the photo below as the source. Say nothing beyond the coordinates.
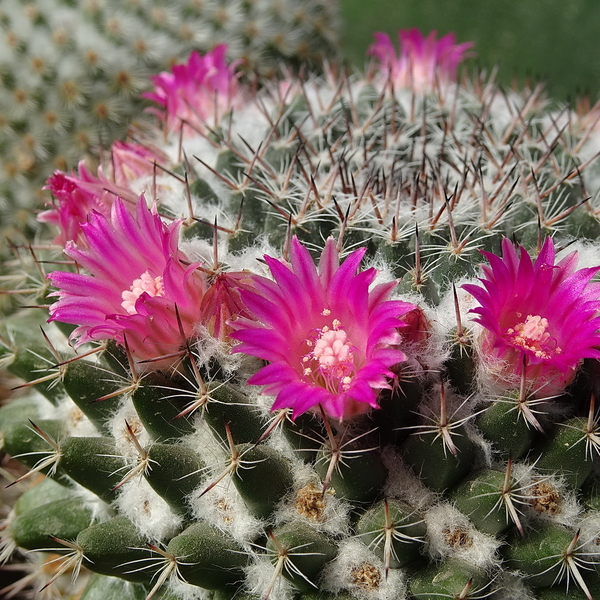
(72, 72)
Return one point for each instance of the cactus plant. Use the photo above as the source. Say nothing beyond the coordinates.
(284, 379)
(72, 72)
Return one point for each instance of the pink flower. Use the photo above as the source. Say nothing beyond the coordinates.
(542, 312)
(328, 339)
(223, 301)
(131, 161)
(424, 62)
(136, 284)
(196, 94)
(77, 196)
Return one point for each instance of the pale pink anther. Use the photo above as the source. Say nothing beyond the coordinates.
(145, 284)
(134, 286)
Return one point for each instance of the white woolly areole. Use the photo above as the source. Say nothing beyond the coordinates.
(261, 577)
(251, 258)
(207, 348)
(546, 497)
(446, 309)
(512, 587)
(147, 510)
(123, 441)
(202, 440)
(359, 571)
(450, 534)
(223, 507)
(100, 510)
(324, 513)
(589, 537)
(77, 423)
(186, 591)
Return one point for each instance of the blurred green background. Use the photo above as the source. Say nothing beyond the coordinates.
(553, 40)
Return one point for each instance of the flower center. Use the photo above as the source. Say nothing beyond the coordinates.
(153, 286)
(532, 334)
(330, 363)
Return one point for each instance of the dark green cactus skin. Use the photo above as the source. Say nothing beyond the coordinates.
(236, 490)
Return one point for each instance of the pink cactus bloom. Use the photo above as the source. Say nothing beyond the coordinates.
(424, 64)
(131, 161)
(77, 195)
(542, 314)
(195, 95)
(329, 340)
(223, 301)
(137, 282)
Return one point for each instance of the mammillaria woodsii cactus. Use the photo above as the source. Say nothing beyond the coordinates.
(332, 336)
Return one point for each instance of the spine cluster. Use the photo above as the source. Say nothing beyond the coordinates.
(332, 336)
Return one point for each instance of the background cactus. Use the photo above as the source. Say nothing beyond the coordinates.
(476, 477)
(71, 73)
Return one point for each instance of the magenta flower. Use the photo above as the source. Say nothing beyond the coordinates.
(223, 301)
(328, 339)
(196, 94)
(77, 195)
(424, 62)
(540, 313)
(136, 284)
(131, 161)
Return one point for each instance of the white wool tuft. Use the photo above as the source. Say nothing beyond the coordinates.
(333, 519)
(118, 428)
(511, 586)
(450, 534)
(344, 573)
(147, 510)
(185, 591)
(77, 423)
(261, 577)
(225, 508)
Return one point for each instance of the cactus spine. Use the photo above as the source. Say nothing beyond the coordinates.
(196, 489)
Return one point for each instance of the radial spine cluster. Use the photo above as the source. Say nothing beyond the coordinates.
(323, 336)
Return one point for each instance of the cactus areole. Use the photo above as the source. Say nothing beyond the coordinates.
(332, 335)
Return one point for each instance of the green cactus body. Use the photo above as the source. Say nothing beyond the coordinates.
(458, 467)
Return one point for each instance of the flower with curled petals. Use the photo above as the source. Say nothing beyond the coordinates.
(424, 62)
(197, 93)
(330, 341)
(538, 314)
(138, 286)
(77, 194)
